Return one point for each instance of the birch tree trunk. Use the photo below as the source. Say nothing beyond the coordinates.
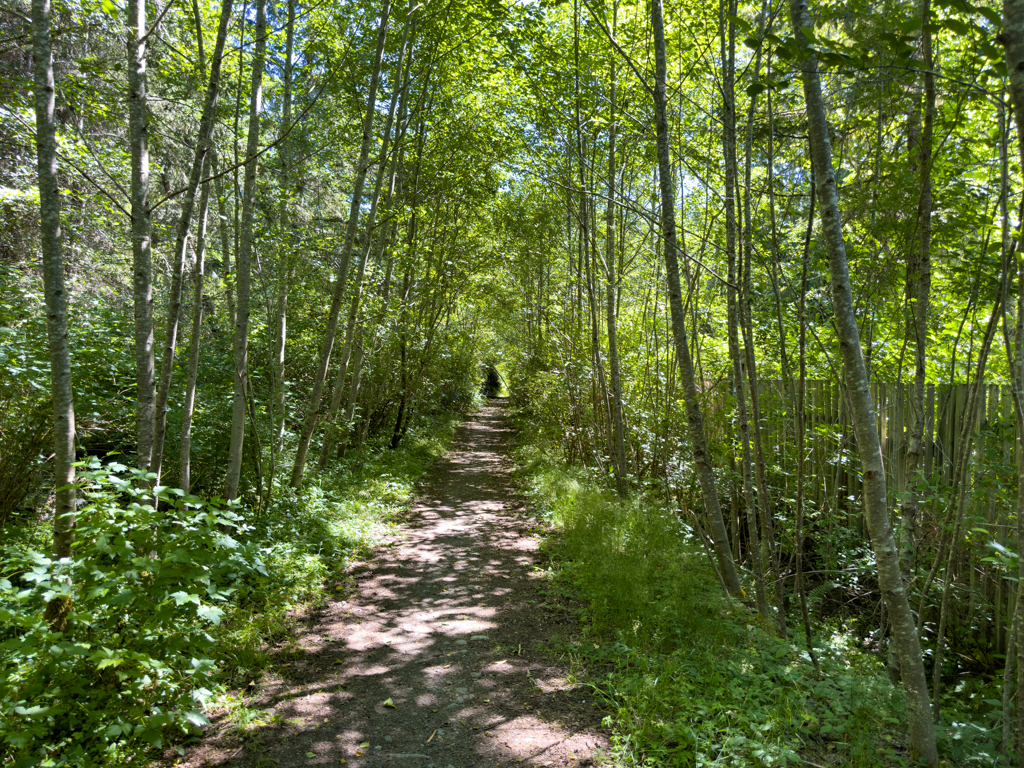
(142, 255)
(203, 142)
(890, 580)
(695, 420)
(618, 428)
(316, 395)
(53, 287)
(225, 237)
(288, 265)
(385, 170)
(188, 406)
(198, 274)
(243, 263)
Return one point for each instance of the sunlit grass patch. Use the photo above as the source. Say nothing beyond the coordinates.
(689, 677)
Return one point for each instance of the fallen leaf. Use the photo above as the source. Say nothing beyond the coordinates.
(359, 754)
(389, 703)
(311, 754)
(364, 745)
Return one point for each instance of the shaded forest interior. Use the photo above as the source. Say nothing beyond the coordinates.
(749, 272)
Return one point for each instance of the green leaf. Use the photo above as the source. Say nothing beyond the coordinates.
(211, 613)
(741, 23)
(197, 718)
(956, 26)
(35, 711)
(991, 15)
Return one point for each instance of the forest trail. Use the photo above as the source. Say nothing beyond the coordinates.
(450, 624)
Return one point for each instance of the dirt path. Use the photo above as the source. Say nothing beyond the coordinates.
(449, 624)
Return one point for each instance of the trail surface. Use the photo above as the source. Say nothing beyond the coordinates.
(449, 623)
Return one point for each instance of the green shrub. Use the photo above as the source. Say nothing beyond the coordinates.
(152, 574)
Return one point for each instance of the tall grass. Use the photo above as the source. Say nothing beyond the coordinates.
(689, 677)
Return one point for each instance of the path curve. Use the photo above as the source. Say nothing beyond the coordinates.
(450, 624)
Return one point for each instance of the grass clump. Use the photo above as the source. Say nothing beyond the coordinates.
(689, 677)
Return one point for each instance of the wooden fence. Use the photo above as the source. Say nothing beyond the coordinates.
(831, 459)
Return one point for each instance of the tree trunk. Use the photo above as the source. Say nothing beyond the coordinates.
(225, 237)
(288, 263)
(919, 282)
(52, 237)
(746, 329)
(1012, 38)
(243, 263)
(195, 339)
(142, 255)
(188, 405)
(203, 143)
(727, 43)
(922, 732)
(801, 387)
(960, 484)
(695, 419)
(316, 395)
(618, 428)
(386, 171)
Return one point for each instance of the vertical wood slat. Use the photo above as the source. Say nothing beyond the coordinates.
(929, 424)
(829, 435)
(816, 441)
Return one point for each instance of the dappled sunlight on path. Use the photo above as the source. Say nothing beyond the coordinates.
(445, 625)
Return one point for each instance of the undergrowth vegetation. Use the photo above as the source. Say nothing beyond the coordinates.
(171, 599)
(689, 677)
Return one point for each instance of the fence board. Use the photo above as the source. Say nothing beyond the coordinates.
(829, 435)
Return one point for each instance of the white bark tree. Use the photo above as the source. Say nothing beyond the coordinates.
(53, 287)
(243, 263)
(876, 511)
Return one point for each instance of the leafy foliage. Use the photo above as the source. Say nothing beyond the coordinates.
(152, 575)
(170, 597)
